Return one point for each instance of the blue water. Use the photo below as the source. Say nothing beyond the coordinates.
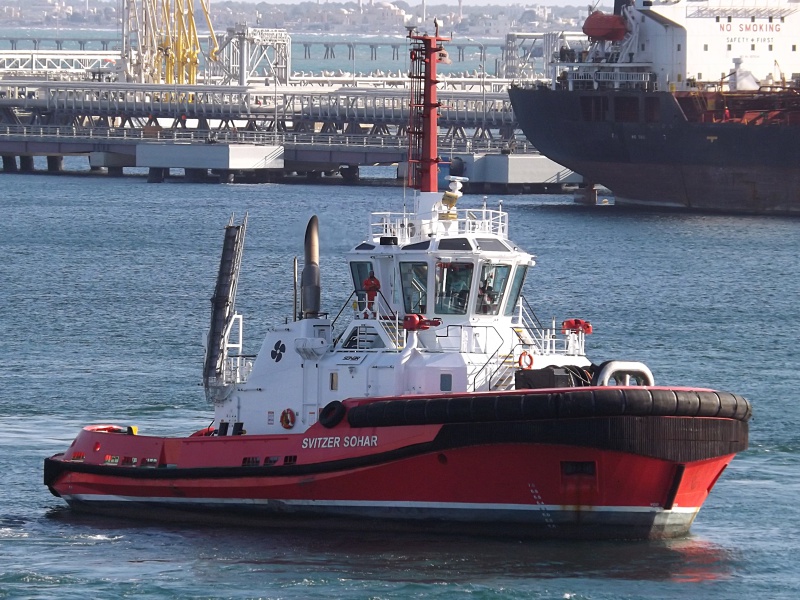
(105, 287)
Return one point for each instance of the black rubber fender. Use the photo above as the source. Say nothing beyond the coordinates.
(574, 403)
(415, 412)
(688, 403)
(610, 402)
(332, 414)
(539, 406)
(710, 404)
(509, 408)
(638, 401)
(664, 402)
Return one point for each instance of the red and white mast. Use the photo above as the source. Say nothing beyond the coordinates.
(426, 53)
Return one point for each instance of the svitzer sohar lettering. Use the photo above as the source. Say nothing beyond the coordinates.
(349, 441)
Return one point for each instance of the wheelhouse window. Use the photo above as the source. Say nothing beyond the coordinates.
(360, 271)
(414, 281)
(453, 282)
(492, 288)
(515, 290)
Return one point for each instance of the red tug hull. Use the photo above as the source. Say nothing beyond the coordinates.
(623, 476)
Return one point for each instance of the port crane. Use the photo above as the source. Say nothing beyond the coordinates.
(161, 43)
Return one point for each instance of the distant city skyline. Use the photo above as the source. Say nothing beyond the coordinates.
(471, 18)
(438, 3)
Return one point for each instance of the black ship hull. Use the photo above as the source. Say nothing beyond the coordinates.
(641, 146)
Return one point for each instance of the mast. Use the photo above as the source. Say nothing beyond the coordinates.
(426, 53)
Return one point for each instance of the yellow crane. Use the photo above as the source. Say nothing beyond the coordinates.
(161, 43)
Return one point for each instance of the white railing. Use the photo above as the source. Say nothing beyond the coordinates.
(236, 368)
(230, 136)
(538, 340)
(409, 228)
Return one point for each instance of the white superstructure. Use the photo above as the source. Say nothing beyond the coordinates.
(449, 317)
(675, 45)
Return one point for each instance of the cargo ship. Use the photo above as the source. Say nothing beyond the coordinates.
(432, 399)
(687, 104)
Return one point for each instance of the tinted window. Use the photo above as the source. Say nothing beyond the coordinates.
(414, 281)
(492, 288)
(491, 245)
(453, 283)
(515, 289)
(418, 246)
(360, 271)
(454, 244)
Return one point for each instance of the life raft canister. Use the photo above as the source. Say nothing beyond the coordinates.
(578, 325)
(287, 418)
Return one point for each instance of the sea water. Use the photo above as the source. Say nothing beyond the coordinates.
(105, 289)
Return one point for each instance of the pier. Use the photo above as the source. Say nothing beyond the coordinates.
(261, 133)
(256, 119)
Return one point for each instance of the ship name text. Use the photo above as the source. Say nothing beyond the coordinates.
(348, 441)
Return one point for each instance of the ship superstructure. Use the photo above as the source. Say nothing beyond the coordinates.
(684, 104)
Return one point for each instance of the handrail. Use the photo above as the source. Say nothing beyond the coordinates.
(333, 322)
(488, 361)
(525, 309)
(222, 136)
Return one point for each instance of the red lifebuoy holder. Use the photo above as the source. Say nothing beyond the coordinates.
(525, 361)
(287, 418)
(577, 325)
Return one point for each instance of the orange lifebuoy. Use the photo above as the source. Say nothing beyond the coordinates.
(287, 418)
(525, 361)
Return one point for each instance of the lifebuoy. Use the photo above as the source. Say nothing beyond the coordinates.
(287, 418)
(332, 414)
(525, 361)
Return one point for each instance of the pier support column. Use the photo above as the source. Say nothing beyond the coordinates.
(115, 172)
(26, 164)
(156, 175)
(350, 174)
(195, 175)
(55, 164)
(9, 164)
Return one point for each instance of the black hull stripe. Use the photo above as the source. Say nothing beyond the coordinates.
(680, 439)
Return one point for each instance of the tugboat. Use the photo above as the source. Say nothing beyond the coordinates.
(434, 400)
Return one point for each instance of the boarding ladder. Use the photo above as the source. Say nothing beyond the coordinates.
(223, 314)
